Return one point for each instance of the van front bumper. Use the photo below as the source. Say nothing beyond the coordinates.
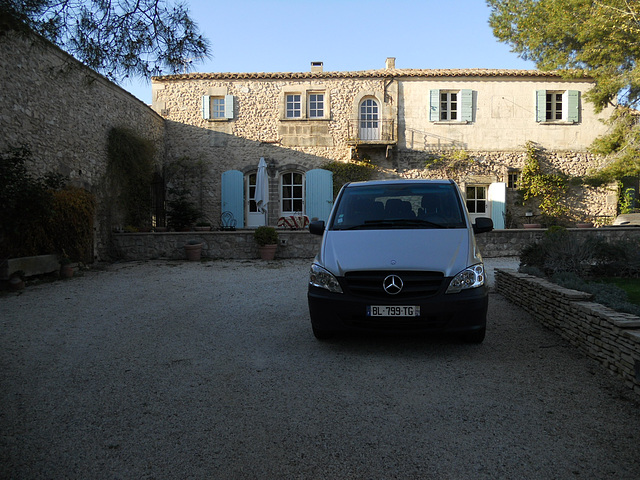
(463, 312)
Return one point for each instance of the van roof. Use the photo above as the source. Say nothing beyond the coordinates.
(403, 182)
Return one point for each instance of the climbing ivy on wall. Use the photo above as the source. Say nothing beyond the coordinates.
(130, 169)
(545, 190)
(353, 171)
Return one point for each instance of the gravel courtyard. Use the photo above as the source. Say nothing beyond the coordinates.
(176, 370)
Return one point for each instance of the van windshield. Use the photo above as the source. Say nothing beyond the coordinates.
(396, 206)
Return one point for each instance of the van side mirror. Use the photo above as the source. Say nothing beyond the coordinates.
(317, 227)
(482, 225)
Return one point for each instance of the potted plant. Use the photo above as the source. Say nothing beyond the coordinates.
(267, 240)
(66, 269)
(16, 280)
(193, 250)
(203, 226)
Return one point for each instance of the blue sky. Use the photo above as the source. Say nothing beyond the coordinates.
(347, 35)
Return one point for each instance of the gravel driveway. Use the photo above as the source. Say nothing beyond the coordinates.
(174, 370)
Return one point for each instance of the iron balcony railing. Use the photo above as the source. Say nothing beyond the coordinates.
(371, 131)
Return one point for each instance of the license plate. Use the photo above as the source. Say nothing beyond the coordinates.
(393, 311)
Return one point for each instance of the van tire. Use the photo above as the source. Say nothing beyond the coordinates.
(321, 334)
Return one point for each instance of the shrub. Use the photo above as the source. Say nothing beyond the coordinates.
(559, 251)
(603, 293)
(38, 216)
(265, 236)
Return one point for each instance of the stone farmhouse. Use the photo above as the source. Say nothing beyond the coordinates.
(401, 120)
(405, 122)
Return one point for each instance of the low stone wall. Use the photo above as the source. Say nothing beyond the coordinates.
(610, 337)
(227, 245)
(301, 244)
(509, 243)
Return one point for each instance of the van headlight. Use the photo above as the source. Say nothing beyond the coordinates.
(321, 278)
(472, 277)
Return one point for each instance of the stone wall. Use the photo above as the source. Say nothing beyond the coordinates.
(63, 112)
(216, 245)
(509, 243)
(610, 337)
(301, 244)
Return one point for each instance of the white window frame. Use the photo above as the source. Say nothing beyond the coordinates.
(315, 105)
(293, 105)
(553, 111)
(217, 107)
(447, 112)
(222, 111)
(292, 197)
(475, 200)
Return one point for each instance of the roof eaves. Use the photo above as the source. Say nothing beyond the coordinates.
(383, 73)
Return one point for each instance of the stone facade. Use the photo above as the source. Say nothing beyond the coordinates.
(501, 117)
(63, 112)
(612, 338)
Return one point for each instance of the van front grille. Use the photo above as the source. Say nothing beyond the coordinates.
(415, 284)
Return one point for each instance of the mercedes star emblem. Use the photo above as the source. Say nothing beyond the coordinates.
(392, 284)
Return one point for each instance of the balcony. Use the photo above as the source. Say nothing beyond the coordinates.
(365, 132)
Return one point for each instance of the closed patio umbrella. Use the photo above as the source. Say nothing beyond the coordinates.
(262, 186)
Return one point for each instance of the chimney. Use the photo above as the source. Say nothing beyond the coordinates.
(316, 67)
(390, 64)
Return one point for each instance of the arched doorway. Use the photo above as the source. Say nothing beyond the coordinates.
(369, 119)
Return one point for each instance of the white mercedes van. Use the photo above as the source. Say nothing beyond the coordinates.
(399, 256)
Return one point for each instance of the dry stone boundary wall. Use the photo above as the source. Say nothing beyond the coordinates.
(612, 338)
(63, 112)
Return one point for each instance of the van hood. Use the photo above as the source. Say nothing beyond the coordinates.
(447, 250)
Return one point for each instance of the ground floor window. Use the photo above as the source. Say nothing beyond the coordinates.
(476, 199)
(292, 194)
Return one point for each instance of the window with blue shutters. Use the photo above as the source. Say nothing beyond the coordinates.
(451, 105)
(217, 107)
(557, 106)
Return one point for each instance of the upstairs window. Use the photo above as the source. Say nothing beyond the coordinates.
(217, 107)
(294, 106)
(316, 105)
(451, 106)
(448, 106)
(557, 106)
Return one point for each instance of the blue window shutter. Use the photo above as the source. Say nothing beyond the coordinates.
(498, 197)
(434, 106)
(319, 193)
(228, 106)
(466, 113)
(206, 107)
(573, 103)
(233, 195)
(541, 105)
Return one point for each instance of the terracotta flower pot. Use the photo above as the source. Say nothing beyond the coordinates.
(66, 271)
(268, 252)
(532, 225)
(194, 252)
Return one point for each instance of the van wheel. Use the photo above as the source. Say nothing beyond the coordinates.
(477, 336)
(321, 334)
